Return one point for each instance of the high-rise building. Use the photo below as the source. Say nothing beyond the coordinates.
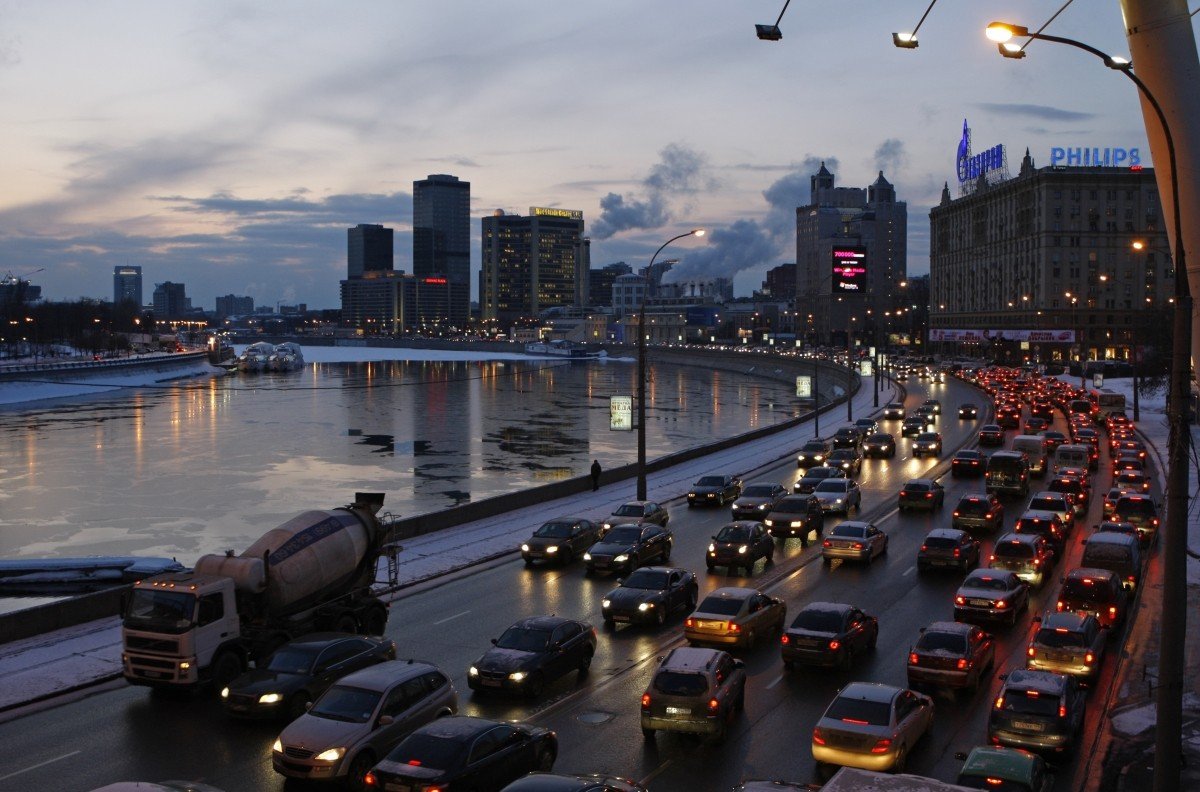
(851, 257)
(368, 249)
(600, 283)
(234, 305)
(781, 282)
(170, 302)
(532, 263)
(442, 236)
(396, 303)
(127, 284)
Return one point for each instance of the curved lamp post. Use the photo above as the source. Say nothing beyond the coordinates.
(641, 373)
(1168, 763)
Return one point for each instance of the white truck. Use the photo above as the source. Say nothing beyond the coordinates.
(313, 572)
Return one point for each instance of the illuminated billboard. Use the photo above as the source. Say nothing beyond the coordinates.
(849, 269)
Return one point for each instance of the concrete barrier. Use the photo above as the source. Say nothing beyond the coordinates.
(62, 613)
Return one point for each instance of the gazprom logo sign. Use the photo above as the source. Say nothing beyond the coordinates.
(1090, 156)
(972, 166)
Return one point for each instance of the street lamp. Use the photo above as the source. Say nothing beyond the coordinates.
(909, 40)
(1168, 737)
(641, 375)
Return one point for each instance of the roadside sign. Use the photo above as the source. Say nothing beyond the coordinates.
(804, 387)
(620, 413)
(1097, 380)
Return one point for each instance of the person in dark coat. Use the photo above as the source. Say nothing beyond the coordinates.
(595, 474)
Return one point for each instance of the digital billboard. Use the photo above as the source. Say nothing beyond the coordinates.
(849, 269)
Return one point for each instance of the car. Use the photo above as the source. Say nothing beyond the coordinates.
(992, 595)
(1141, 511)
(867, 426)
(893, 411)
(734, 616)
(627, 547)
(848, 459)
(796, 516)
(945, 548)
(714, 490)
(1036, 710)
(950, 655)
(1052, 439)
(968, 411)
(299, 672)
(636, 513)
(828, 634)
(912, 426)
(991, 435)
(871, 726)
(921, 494)
(927, 443)
(978, 512)
(847, 437)
(926, 414)
(968, 462)
(1043, 523)
(360, 718)
(814, 476)
(1075, 489)
(1134, 480)
(934, 405)
(880, 444)
(838, 495)
(1110, 500)
(555, 782)
(1029, 556)
(901, 376)
(650, 595)
(562, 540)
(1009, 769)
(532, 653)
(1034, 424)
(1099, 592)
(1067, 643)
(1059, 503)
(1115, 526)
(1135, 447)
(694, 690)
(854, 541)
(740, 544)
(812, 454)
(758, 499)
(1042, 409)
(1008, 417)
(463, 752)
(1128, 460)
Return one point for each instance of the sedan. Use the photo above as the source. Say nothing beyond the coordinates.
(300, 671)
(871, 726)
(927, 443)
(828, 634)
(978, 512)
(1052, 439)
(814, 476)
(735, 616)
(637, 513)
(651, 594)
(854, 541)
(714, 491)
(948, 548)
(796, 516)
(532, 653)
(1132, 480)
(1067, 643)
(867, 426)
(880, 444)
(758, 499)
(968, 462)
(740, 544)
(838, 495)
(465, 753)
(991, 435)
(894, 411)
(847, 437)
(934, 405)
(812, 454)
(562, 540)
(912, 427)
(950, 654)
(921, 494)
(848, 459)
(968, 411)
(991, 594)
(627, 547)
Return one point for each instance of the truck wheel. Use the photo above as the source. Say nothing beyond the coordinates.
(375, 621)
(345, 624)
(226, 667)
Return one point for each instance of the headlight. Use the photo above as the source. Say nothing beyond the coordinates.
(551, 549)
(743, 549)
(764, 506)
(606, 525)
(473, 671)
(605, 603)
(645, 606)
(587, 556)
(621, 559)
(332, 755)
(277, 746)
(269, 698)
(517, 676)
(838, 500)
(524, 548)
(712, 548)
(225, 692)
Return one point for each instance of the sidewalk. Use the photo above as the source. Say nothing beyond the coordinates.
(71, 659)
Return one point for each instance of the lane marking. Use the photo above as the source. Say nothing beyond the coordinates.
(451, 618)
(908, 571)
(656, 772)
(778, 679)
(39, 764)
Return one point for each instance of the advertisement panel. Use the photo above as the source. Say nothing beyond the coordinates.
(620, 413)
(804, 387)
(1035, 336)
(849, 269)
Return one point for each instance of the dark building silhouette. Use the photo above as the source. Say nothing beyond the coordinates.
(442, 237)
(369, 249)
(127, 285)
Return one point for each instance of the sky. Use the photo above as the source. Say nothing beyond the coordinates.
(229, 145)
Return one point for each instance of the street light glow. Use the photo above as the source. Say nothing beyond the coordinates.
(1001, 32)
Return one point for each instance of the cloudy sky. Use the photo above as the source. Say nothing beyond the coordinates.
(228, 145)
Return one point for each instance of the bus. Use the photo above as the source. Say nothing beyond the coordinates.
(1108, 402)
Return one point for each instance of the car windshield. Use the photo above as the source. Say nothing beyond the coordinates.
(626, 534)
(1047, 504)
(927, 437)
(710, 481)
(524, 639)
(646, 579)
(852, 710)
(346, 704)
(677, 683)
(1059, 638)
(843, 453)
(973, 506)
(290, 660)
(1141, 506)
(819, 473)
(1084, 589)
(554, 530)
(986, 582)
(629, 510)
(823, 621)
(850, 531)
(934, 641)
(1029, 703)
(721, 606)
(428, 751)
(847, 431)
(733, 533)
(759, 491)
(880, 438)
(968, 455)
(792, 506)
(832, 485)
(813, 446)
(1013, 550)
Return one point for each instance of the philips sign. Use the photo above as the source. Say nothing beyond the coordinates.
(1083, 155)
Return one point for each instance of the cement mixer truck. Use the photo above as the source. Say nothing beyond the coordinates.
(313, 572)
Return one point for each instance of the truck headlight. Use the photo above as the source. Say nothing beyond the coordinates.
(621, 559)
(277, 746)
(224, 692)
(645, 606)
(517, 676)
(552, 549)
(331, 755)
(268, 698)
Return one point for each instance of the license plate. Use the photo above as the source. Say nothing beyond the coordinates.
(1027, 726)
(392, 786)
(155, 674)
(620, 618)
(940, 562)
(980, 603)
(490, 682)
(679, 711)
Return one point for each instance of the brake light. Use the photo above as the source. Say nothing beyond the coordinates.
(645, 701)
(1032, 694)
(1000, 702)
(818, 738)
(827, 543)
(1112, 611)
(855, 721)
(960, 601)
(713, 705)
(913, 659)
(835, 645)
(956, 514)
(414, 762)
(924, 548)
(1062, 710)
(1031, 652)
(881, 745)
(858, 545)
(963, 664)
(957, 552)
(783, 639)
(1001, 604)
(987, 516)
(1089, 658)
(733, 627)
(1058, 605)
(689, 622)
(928, 495)
(369, 780)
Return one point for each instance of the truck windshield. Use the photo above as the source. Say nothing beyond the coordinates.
(169, 611)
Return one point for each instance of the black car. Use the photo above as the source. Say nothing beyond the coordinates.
(796, 516)
(968, 462)
(828, 634)
(1039, 711)
(651, 594)
(948, 548)
(812, 453)
(814, 476)
(1142, 512)
(460, 752)
(912, 427)
(848, 459)
(847, 437)
(921, 494)
(297, 673)
(560, 541)
(714, 491)
(880, 444)
(968, 411)
(627, 547)
(533, 653)
(740, 544)
(553, 782)
(991, 435)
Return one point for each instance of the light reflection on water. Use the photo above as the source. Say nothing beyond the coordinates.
(180, 471)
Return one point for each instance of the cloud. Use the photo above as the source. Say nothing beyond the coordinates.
(343, 208)
(1037, 111)
(890, 157)
(680, 171)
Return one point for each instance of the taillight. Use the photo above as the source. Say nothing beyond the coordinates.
(783, 639)
(645, 701)
(960, 601)
(1001, 604)
(827, 543)
(1089, 658)
(1000, 702)
(1058, 605)
(903, 494)
(963, 664)
(834, 645)
(1062, 710)
(956, 514)
(858, 545)
(1112, 611)
(987, 516)
(818, 738)
(913, 659)
(924, 548)
(928, 495)
(991, 557)
(369, 780)
(957, 552)
(689, 622)
(713, 705)
(1031, 652)
(881, 745)
(733, 627)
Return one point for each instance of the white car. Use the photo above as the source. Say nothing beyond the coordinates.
(838, 495)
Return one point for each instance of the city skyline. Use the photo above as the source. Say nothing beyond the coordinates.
(229, 147)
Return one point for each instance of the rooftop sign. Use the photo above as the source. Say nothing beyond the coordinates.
(567, 214)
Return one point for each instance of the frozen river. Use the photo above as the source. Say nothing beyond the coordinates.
(199, 467)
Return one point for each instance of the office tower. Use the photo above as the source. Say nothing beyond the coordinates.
(532, 263)
(234, 305)
(127, 285)
(600, 283)
(170, 302)
(442, 236)
(368, 250)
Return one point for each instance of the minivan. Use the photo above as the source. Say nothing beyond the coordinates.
(1071, 455)
(1118, 552)
(1007, 473)
(1034, 449)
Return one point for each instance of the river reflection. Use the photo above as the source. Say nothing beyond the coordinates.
(183, 470)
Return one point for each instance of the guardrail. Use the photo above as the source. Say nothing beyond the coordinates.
(102, 364)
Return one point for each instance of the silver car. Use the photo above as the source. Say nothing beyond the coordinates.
(854, 541)
(357, 721)
(872, 727)
(838, 495)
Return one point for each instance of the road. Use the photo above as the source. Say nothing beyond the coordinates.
(128, 734)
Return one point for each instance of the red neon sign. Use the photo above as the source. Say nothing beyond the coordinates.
(435, 281)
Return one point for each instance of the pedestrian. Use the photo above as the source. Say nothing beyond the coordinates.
(595, 474)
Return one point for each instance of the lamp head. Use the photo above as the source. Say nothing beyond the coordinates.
(905, 40)
(698, 232)
(1012, 50)
(1138, 244)
(1119, 63)
(1001, 32)
(768, 32)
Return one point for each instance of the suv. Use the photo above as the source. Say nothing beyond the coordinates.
(695, 690)
(1141, 511)
(1067, 643)
(740, 544)
(1095, 591)
(1038, 711)
(978, 511)
(1029, 555)
(796, 515)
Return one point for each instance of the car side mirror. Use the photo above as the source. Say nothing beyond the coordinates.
(922, 631)
(1003, 677)
(620, 581)
(495, 641)
(385, 720)
(960, 756)
(308, 705)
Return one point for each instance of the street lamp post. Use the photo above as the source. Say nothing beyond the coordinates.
(641, 368)
(1168, 757)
